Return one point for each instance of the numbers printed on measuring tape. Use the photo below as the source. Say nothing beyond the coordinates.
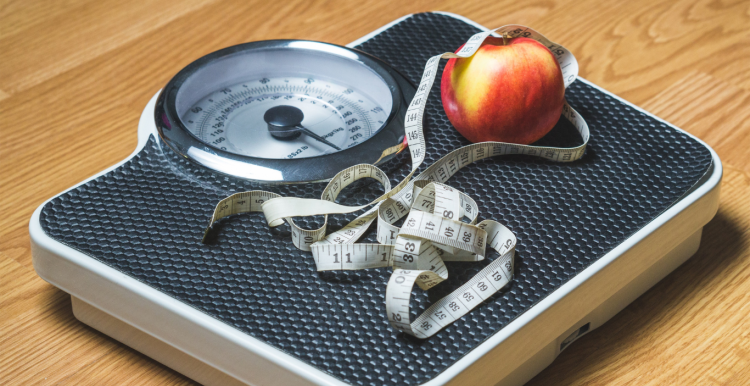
(433, 231)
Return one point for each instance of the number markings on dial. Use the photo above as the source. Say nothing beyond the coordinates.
(214, 117)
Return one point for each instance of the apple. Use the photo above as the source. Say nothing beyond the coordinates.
(510, 90)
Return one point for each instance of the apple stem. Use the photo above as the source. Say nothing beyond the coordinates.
(505, 38)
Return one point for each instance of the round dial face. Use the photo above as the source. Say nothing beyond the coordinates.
(284, 111)
(243, 118)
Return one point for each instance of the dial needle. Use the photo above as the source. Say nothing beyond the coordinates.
(317, 137)
(284, 123)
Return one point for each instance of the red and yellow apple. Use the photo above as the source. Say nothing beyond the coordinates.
(508, 91)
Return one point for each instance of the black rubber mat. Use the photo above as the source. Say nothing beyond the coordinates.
(146, 219)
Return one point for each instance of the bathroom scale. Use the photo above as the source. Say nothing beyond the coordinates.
(246, 307)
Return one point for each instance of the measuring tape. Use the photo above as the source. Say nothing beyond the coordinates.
(440, 223)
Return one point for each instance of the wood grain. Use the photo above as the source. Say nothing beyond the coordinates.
(75, 75)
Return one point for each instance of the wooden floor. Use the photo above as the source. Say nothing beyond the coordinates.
(75, 75)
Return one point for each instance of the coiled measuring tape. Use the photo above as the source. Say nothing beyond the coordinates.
(440, 223)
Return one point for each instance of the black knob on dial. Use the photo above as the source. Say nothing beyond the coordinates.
(284, 121)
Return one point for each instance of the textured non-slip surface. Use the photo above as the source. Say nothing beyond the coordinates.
(565, 216)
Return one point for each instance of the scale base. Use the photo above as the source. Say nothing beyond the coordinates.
(596, 234)
(203, 373)
(146, 344)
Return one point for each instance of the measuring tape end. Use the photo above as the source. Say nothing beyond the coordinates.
(204, 240)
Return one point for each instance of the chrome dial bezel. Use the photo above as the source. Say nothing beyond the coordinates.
(175, 135)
